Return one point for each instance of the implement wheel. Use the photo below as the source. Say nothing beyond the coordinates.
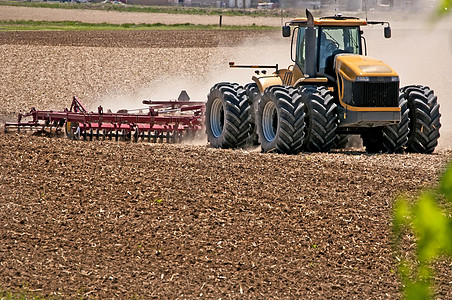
(321, 118)
(71, 130)
(227, 116)
(280, 121)
(424, 118)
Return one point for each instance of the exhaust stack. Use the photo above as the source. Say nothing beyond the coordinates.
(311, 53)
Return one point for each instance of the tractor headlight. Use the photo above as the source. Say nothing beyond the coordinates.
(395, 78)
(362, 78)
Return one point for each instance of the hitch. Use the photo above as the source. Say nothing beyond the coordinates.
(233, 65)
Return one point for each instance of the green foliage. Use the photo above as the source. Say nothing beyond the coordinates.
(21, 294)
(429, 220)
(444, 7)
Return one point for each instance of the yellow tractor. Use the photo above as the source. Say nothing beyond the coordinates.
(332, 90)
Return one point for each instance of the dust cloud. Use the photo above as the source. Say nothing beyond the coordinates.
(269, 51)
(419, 50)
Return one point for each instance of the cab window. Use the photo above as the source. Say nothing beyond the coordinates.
(301, 49)
(333, 41)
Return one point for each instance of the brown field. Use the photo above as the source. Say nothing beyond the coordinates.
(119, 220)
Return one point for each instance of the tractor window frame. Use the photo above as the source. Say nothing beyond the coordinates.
(300, 52)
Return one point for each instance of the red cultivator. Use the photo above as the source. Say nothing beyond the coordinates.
(170, 121)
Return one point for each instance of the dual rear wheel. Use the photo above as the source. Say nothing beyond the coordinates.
(228, 116)
(282, 119)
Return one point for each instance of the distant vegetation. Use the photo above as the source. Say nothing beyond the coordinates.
(74, 25)
(151, 9)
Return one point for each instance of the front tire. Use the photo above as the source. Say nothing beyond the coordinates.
(280, 121)
(424, 118)
(227, 116)
(389, 139)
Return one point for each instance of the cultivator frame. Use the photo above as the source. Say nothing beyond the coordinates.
(166, 121)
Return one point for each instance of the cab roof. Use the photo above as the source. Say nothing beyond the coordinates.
(330, 21)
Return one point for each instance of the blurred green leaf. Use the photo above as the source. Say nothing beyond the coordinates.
(430, 226)
(446, 184)
(429, 219)
(401, 215)
(418, 291)
(444, 7)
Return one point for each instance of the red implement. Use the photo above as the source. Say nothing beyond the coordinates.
(169, 121)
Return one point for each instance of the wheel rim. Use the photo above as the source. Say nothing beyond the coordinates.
(217, 118)
(270, 121)
(68, 129)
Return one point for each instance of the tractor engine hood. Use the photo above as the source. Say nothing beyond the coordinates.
(362, 68)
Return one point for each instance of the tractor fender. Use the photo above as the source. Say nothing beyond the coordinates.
(264, 81)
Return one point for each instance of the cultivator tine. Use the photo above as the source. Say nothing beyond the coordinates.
(135, 137)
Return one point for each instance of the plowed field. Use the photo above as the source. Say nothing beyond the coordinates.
(118, 220)
(107, 219)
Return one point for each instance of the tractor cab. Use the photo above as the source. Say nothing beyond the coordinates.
(317, 42)
(330, 41)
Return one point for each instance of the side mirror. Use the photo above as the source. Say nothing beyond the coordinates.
(387, 32)
(286, 31)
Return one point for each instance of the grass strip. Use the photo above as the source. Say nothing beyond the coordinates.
(23, 294)
(75, 25)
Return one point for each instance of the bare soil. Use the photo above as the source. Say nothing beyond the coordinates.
(118, 220)
(107, 219)
(133, 39)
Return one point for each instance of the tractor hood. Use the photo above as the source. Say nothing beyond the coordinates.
(360, 67)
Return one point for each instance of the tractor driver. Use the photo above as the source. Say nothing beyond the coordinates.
(327, 47)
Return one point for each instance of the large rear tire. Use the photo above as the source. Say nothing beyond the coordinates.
(424, 118)
(227, 116)
(321, 118)
(280, 121)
